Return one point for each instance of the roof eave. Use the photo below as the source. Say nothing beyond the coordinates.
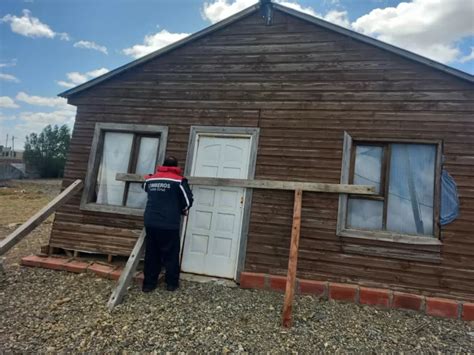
(377, 43)
(161, 51)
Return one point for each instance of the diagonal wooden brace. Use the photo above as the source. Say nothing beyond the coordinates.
(11, 240)
(128, 272)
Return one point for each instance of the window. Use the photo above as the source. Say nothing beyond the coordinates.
(121, 148)
(404, 175)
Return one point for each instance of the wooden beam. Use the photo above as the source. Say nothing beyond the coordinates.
(293, 260)
(268, 184)
(39, 217)
(128, 272)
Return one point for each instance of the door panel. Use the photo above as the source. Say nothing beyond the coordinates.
(215, 221)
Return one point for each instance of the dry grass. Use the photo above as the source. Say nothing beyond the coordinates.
(19, 200)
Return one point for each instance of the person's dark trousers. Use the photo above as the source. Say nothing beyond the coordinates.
(161, 249)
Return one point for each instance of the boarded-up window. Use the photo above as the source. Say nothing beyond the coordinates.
(404, 179)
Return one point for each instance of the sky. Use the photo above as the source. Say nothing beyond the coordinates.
(48, 46)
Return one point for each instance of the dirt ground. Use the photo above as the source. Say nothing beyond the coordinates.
(59, 312)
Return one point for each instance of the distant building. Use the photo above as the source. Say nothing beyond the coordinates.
(11, 164)
(7, 153)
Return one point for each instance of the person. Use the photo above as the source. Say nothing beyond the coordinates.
(169, 197)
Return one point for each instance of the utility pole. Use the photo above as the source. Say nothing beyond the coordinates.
(13, 147)
(6, 144)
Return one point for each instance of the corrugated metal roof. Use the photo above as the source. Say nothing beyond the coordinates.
(317, 21)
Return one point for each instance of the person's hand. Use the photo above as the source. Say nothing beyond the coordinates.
(185, 212)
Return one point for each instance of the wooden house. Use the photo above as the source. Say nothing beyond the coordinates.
(272, 93)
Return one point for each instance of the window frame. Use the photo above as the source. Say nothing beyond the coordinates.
(95, 158)
(347, 173)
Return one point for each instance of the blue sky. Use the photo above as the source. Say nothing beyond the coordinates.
(48, 46)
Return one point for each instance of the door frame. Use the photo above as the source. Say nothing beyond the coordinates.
(215, 131)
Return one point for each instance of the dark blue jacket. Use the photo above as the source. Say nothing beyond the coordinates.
(169, 196)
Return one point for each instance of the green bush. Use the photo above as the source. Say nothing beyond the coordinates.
(46, 152)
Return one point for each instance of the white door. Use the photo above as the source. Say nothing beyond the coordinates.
(214, 227)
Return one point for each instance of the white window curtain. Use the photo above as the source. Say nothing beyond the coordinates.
(115, 159)
(145, 165)
(411, 190)
(366, 214)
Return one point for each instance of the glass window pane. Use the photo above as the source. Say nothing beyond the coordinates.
(115, 157)
(145, 165)
(411, 189)
(368, 166)
(146, 162)
(364, 214)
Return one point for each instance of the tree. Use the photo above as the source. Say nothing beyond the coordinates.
(46, 152)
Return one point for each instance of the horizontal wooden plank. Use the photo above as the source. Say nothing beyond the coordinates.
(266, 184)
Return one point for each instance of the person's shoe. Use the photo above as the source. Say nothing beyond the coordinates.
(148, 289)
(171, 287)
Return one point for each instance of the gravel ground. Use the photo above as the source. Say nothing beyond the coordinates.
(52, 311)
(44, 310)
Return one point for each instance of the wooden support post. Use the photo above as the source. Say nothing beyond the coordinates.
(39, 217)
(128, 272)
(293, 260)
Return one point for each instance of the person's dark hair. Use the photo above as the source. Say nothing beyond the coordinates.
(170, 161)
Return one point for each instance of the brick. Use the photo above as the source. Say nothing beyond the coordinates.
(342, 292)
(318, 288)
(115, 275)
(252, 280)
(374, 297)
(277, 283)
(441, 307)
(76, 266)
(53, 263)
(100, 270)
(407, 301)
(31, 260)
(468, 311)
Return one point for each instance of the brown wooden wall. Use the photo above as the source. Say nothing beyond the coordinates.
(303, 86)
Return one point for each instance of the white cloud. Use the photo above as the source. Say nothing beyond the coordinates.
(8, 77)
(295, 6)
(38, 120)
(468, 57)
(53, 111)
(7, 102)
(58, 102)
(25, 123)
(65, 84)
(90, 45)
(153, 42)
(218, 10)
(427, 27)
(30, 26)
(340, 18)
(75, 78)
(11, 63)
